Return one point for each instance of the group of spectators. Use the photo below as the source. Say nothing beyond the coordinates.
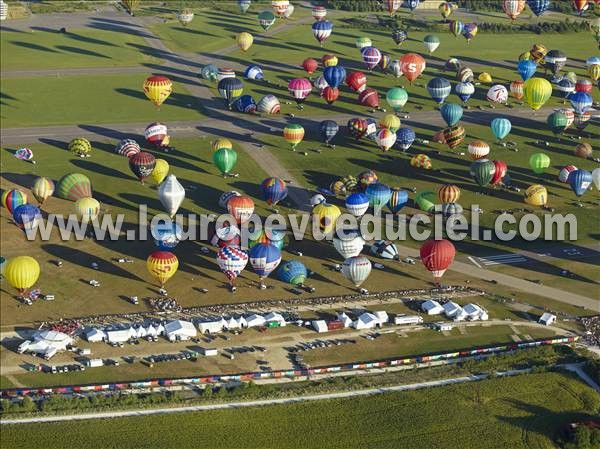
(592, 329)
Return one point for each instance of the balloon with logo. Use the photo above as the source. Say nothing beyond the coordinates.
(11, 199)
(357, 204)
(157, 89)
(439, 89)
(437, 256)
(399, 36)
(583, 85)
(565, 172)
(356, 269)
(536, 195)
(264, 259)
(405, 138)
(497, 94)
(157, 134)
(451, 113)
(27, 217)
(412, 66)
(349, 244)
(469, 31)
(500, 127)
(357, 81)
(371, 57)
(171, 194)
(537, 92)
(166, 235)
(431, 42)
(21, 273)
(266, 19)
(241, 208)
(326, 216)
(142, 164)
(482, 171)
(322, 30)
(293, 134)
(396, 97)
(329, 130)
(580, 181)
(369, 98)
(464, 91)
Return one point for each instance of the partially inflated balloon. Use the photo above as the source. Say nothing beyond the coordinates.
(157, 89)
(536, 195)
(266, 19)
(398, 199)
(425, 199)
(80, 147)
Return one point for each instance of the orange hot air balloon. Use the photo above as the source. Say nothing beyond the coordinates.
(241, 208)
(412, 65)
(449, 193)
(516, 89)
(158, 88)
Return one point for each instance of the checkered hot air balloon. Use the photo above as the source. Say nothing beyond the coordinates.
(232, 261)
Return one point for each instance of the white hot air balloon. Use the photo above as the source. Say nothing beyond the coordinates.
(596, 178)
(350, 244)
(171, 194)
(385, 249)
(289, 11)
(356, 269)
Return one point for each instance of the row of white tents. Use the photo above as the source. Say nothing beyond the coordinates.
(456, 312)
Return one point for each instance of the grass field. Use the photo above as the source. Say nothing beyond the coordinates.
(520, 412)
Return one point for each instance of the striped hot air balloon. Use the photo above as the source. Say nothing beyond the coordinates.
(319, 12)
(563, 175)
(11, 199)
(162, 265)
(269, 104)
(516, 89)
(293, 134)
(398, 199)
(142, 164)
(299, 88)
(127, 147)
(322, 30)
(74, 186)
(87, 209)
(512, 8)
(157, 89)
(357, 204)
(42, 189)
(371, 57)
(478, 149)
(449, 193)
(537, 92)
(385, 139)
(454, 136)
(356, 269)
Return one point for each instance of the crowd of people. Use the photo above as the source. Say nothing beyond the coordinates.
(592, 330)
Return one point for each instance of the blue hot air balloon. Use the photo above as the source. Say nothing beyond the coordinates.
(397, 200)
(439, 88)
(526, 69)
(451, 113)
(566, 87)
(464, 91)
(322, 30)
(334, 75)
(27, 217)
(254, 72)
(166, 235)
(379, 194)
(538, 7)
(581, 102)
(372, 130)
(579, 180)
(405, 138)
(328, 129)
(264, 258)
(273, 190)
(292, 272)
(246, 104)
(500, 127)
(357, 204)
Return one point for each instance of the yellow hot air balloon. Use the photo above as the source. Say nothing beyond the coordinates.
(536, 92)
(391, 122)
(244, 40)
(221, 142)
(594, 72)
(42, 189)
(22, 272)
(536, 195)
(157, 89)
(87, 209)
(485, 77)
(326, 214)
(162, 265)
(161, 170)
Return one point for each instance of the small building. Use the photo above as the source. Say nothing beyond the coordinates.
(120, 335)
(274, 317)
(212, 327)
(232, 323)
(451, 309)
(94, 335)
(408, 319)
(431, 307)
(443, 326)
(320, 326)
(345, 319)
(475, 312)
(255, 320)
(382, 316)
(209, 352)
(547, 319)
(179, 330)
(366, 321)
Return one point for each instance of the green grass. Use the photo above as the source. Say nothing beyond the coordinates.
(520, 412)
(49, 49)
(89, 100)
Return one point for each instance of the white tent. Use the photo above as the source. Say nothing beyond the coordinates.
(320, 326)
(408, 319)
(47, 343)
(366, 321)
(212, 327)
(382, 316)
(180, 330)
(121, 335)
(451, 309)
(475, 312)
(275, 317)
(160, 329)
(547, 319)
(344, 319)
(255, 320)
(242, 322)
(95, 335)
(232, 323)
(140, 332)
(151, 331)
(431, 307)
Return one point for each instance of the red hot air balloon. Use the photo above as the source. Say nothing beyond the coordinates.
(412, 66)
(357, 127)
(369, 98)
(241, 208)
(357, 81)
(501, 169)
(330, 94)
(437, 255)
(310, 65)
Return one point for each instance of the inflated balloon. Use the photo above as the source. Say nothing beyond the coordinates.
(225, 72)
(42, 189)
(445, 9)
(583, 150)
(11, 199)
(157, 135)
(557, 122)
(512, 8)
(157, 89)
(425, 199)
(539, 162)
(293, 272)
(465, 75)
(269, 104)
(299, 88)
(449, 193)
(293, 134)
(384, 62)
(516, 89)
(264, 259)
(209, 72)
(357, 127)
(526, 69)
(371, 57)
(580, 6)
(390, 121)
(356, 269)
(310, 65)
(581, 120)
(87, 209)
(27, 217)
(439, 89)
(396, 97)
(366, 178)
(21, 272)
(334, 75)
(280, 7)
(554, 61)
(536, 195)
(482, 171)
(245, 104)
(537, 53)
(326, 216)
(594, 71)
(328, 129)
(584, 85)
(166, 235)
(322, 30)
(142, 164)
(363, 42)
(254, 72)
(398, 200)
(399, 36)
(73, 186)
(454, 136)
(319, 12)
(456, 27)
(405, 138)
(392, 6)
(273, 190)
(268, 235)
(421, 161)
(431, 42)
(437, 256)
(127, 148)
(185, 17)
(452, 64)
(349, 244)
(230, 89)
(369, 98)
(500, 127)
(372, 129)
(497, 94)
(396, 68)
(241, 208)
(385, 249)
(80, 147)
(225, 159)
(485, 77)
(161, 170)
(412, 66)
(227, 235)
(357, 81)
(289, 11)
(412, 4)
(464, 91)
(478, 149)
(320, 83)
(469, 31)
(329, 60)
(226, 196)
(379, 194)
(266, 19)
(451, 113)
(538, 7)
(162, 265)
(581, 102)
(596, 178)
(171, 194)
(500, 172)
(537, 92)
(357, 204)
(563, 175)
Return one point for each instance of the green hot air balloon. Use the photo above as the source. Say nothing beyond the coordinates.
(539, 162)
(266, 19)
(225, 159)
(557, 122)
(74, 186)
(482, 171)
(425, 199)
(396, 97)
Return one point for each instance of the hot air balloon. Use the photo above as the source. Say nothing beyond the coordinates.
(328, 129)
(580, 6)
(499, 173)
(516, 89)
(319, 12)
(266, 19)
(357, 81)
(454, 136)
(425, 199)
(161, 170)
(280, 7)
(563, 175)
(131, 6)
(497, 94)
(583, 150)
(512, 8)
(293, 134)
(27, 217)
(538, 7)
(299, 89)
(357, 127)
(396, 97)
(87, 209)
(293, 272)
(421, 161)
(390, 121)
(241, 208)
(254, 72)
(310, 65)
(155, 134)
(456, 27)
(230, 89)
(326, 216)
(226, 196)
(437, 256)
(273, 190)
(412, 66)
(584, 85)
(269, 104)
(127, 147)
(385, 139)
(379, 194)
(225, 72)
(330, 94)
(372, 129)
(363, 42)
(42, 189)
(322, 30)
(439, 89)
(349, 244)
(356, 269)
(451, 113)
(329, 60)
(366, 178)
(557, 122)
(392, 6)
(478, 149)
(596, 178)
(398, 199)
(537, 53)
(11, 199)
(539, 162)
(244, 40)
(166, 235)
(22, 272)
(405, 138)
(209, 72)
(385, 249)
(371, 57)
(469, 31)
(580, 181)
(464, 91)
(357, 204)
(526, 69)
(536, 92)
(245, 104)
(171, 194)
(465, 75)
(449, 193)
(80, 147)
(431, 42)
(594, 71)
(554, 61)
(412, 4)
(157, 89)
(399, 36)
(384, 62)
(227, 235)
(500, 127)
(581, 120)
(445, 9)
(162, 265)
(264, 259)
(142, 164)
(536, 195)
(185, 17)
(369, 98)
(581, 102)
(73, 186)
(482, 171)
